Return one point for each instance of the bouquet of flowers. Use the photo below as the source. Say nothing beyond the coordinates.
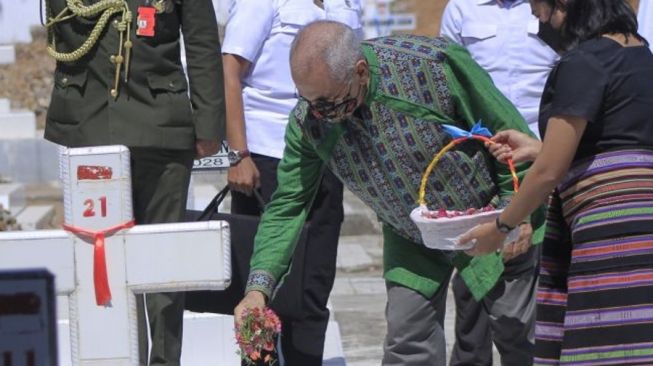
(441, 228)
(256, 336)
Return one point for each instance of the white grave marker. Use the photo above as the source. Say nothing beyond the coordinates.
(7, 54)
(146, 258)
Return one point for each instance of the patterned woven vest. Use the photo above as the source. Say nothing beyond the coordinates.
(381, 152)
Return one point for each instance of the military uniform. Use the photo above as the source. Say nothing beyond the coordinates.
(129, 88)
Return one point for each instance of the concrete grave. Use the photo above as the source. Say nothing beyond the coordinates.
(16, 124)
(12, 197)
(7, 54)
(35, 217)
(30, 160)
(100, 275)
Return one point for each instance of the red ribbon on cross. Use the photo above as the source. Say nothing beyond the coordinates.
(100, 276)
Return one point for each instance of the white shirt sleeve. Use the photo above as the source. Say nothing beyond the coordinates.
(645, 20)
(345, 11)
(248, 26)
(452, 19)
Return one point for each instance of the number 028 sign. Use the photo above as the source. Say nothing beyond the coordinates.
(98, 188)
(218, 161)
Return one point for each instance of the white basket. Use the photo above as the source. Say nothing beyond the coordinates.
(443, 233)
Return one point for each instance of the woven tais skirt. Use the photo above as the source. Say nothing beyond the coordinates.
(595, 298)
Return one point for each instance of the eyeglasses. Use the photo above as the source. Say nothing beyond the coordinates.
(333, 109)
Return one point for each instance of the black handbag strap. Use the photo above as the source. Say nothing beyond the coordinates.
(219, 197)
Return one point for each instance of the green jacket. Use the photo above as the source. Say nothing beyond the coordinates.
(153, 107)
(379, 153)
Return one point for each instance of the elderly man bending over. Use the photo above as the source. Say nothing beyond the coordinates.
(372, 114)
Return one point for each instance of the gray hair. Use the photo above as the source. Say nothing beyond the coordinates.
(333, 43)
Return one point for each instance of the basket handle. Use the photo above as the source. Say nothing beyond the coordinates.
(451, 145)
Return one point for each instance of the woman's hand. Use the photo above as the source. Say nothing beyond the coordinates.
(515, 145)
(486, 237)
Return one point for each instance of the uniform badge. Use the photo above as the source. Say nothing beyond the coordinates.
(146, 21)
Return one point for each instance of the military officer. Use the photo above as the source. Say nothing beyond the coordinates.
(119, 80)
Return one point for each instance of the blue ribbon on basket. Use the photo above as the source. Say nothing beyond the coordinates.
(457, 132)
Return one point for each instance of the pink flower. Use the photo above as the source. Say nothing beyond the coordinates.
(257, 334)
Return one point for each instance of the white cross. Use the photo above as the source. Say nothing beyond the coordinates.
(147, 258)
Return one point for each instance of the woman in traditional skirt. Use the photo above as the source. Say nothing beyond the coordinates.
(595, 297)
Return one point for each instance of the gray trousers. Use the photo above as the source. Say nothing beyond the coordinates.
(415, 327)
(506, 316)
(416, 334)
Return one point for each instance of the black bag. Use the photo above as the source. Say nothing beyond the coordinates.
(287, 302)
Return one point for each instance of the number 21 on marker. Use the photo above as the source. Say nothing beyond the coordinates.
(90, 205)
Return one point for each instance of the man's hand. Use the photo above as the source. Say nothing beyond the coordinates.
(253, 299)
(244, 176)
(515, 145)
(204, 148)
(521, 245)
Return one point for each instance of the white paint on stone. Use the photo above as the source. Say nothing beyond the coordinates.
(17, 124)
(12, 197)
(30, 161)
(4, 103)
(209, 337)
(7, 54)
(35, 217)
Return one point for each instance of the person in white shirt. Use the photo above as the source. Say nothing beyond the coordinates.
(502, 36)
(645, 20)
(260, 94)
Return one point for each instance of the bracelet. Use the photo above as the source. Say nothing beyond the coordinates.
(501, 227)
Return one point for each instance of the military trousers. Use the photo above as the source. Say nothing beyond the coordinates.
(160, 179)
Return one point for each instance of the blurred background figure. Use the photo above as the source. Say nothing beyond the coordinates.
(502, 36)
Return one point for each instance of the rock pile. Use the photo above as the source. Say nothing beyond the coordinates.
(28, 82)
(7, 222)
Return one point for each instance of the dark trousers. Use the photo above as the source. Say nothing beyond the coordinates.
(506, 316)
(302, 339)
(160, 181)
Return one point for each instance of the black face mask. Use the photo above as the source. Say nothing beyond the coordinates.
(550, 36)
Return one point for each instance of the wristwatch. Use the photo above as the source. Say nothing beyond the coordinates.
(503, 228)
(235, 156)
